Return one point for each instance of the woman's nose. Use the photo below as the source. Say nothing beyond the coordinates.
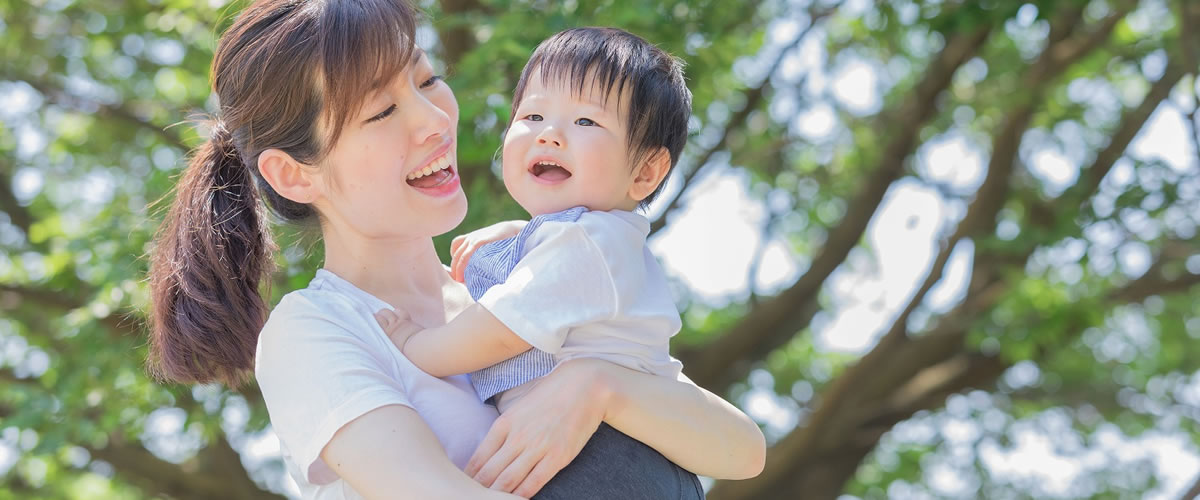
(430, 122)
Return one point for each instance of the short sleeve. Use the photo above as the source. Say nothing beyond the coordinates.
(319, 369)
(563, 281)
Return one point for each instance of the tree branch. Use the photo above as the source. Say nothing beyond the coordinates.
(1192, 492)
(900, 375)
(1132, 121)
(1189, 36)
(991, 195)
(17, 214)
(53, 299)
(215, 472)
(753, 97)
(121, 325)
(728, 353)
(756, 261)
(57, 95)
(775, 321)
(157, 476)
(1072, 50)
(1151, 284)
(894, 381)
(457, 37)
(906, 378)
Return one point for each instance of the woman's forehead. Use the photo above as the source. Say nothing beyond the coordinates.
(383, 81)
(378, 90)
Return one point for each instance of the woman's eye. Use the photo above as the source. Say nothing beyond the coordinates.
(384, 114)
(585, 122)
(431, 81)
(534, 118)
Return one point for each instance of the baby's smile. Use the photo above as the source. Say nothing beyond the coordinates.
(549, 171)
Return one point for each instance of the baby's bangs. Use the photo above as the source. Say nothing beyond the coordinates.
(366, 43)
(599, 58)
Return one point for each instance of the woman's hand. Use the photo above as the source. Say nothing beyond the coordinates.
(464, 246)
(548, 426)
(543, 431)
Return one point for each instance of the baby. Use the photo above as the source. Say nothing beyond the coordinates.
(599, 120)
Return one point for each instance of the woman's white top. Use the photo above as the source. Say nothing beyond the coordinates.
(323, 361)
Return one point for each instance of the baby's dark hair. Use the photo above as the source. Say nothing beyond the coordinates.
(659, 100)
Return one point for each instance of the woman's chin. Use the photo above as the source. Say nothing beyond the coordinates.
(452, 214)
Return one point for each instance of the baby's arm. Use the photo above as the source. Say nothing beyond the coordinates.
(463, 246)
(473, 340)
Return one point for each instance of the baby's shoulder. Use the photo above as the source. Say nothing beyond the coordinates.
(604, 235)
(597, 222)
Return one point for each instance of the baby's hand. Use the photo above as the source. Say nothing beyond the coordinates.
(398, 326)
(463, 246)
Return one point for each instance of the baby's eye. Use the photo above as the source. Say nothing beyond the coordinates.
(534, 118)
(585, 122)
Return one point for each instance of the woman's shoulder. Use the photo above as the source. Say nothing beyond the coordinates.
(319, 310)
(308, 303)
(312, 323)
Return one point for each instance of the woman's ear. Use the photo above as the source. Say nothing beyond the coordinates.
(650, 174)
(288, 177)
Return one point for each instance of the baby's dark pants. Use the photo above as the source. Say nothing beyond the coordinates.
(613, 466)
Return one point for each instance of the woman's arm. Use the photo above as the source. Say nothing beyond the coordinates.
(546, 428)
(390, 453)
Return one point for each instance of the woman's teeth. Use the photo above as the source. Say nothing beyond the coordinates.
(441, 164)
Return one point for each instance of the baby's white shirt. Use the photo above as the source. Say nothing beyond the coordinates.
(591, 289)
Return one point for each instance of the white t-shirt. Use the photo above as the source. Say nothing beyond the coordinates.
(323, 361)
(591, 288)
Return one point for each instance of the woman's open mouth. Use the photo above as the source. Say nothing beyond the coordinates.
(439, 178)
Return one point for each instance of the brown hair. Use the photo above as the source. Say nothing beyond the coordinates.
(289, 75)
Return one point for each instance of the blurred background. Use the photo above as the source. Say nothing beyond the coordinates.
(937, 248)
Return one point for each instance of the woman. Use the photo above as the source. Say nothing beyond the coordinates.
(325, 109)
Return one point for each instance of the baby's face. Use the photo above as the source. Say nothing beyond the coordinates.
(565, 150)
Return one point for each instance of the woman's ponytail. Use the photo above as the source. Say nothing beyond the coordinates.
(211, 256)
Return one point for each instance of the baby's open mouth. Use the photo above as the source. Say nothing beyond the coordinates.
(549, 170)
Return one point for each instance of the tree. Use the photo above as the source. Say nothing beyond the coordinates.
(1078, 293)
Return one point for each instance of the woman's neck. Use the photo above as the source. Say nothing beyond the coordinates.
(404, 272)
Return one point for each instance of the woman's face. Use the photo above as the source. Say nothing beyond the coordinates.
(393, 171)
